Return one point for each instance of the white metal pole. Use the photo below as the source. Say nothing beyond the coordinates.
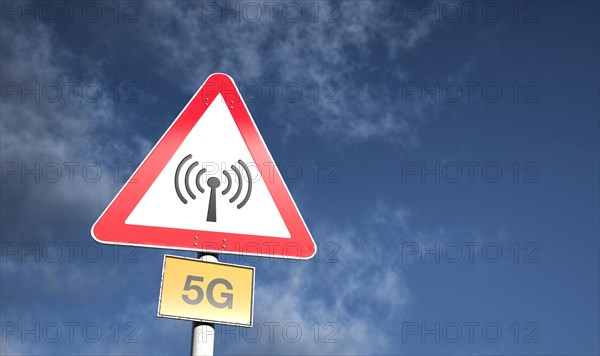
(203, 334)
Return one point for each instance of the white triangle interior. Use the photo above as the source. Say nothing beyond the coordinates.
(215, 143)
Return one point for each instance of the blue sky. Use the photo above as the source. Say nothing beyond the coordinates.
(449, 156)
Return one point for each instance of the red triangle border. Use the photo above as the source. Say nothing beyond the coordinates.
(110, 228)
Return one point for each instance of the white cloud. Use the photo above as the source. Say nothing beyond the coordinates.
(39, 133)
(366, 105)
(349, 289)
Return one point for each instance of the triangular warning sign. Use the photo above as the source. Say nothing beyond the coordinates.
(209, 184)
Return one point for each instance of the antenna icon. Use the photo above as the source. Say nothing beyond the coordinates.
(213, 184)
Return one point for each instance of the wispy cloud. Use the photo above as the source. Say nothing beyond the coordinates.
(48, 142)
(350, 284)
(362, 102)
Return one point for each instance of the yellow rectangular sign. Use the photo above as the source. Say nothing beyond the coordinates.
(206, 291)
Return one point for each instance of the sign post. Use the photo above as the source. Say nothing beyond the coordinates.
(203, 334)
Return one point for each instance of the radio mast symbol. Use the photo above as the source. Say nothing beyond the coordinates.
(213, 183)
